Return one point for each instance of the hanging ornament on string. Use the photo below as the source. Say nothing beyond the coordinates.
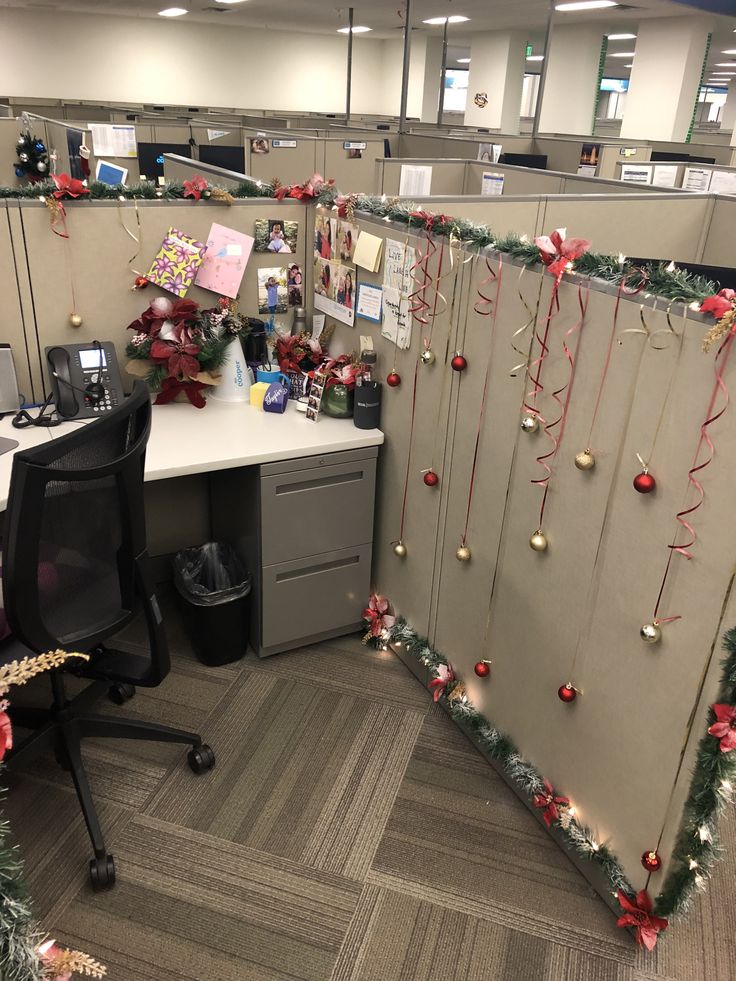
(75, 320)
(567, 693)
(463, 554)
(427, 356)
(458, 362)
(430, 478)
(585, 460)
(393, 379)
(400, 550)
(651, 633)
(644, 482)
(651, 861)
(530, 424)
(482, 668)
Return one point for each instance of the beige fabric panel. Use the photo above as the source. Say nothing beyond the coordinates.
(16, 324)
(352, 176)
(448, 176)
(517, 180)
(719, 245)
(96, 256)
(502, 214)
(611, 156)
(291, 166)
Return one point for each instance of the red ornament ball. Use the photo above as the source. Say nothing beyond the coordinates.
(431, 479)
(482, 669)
(458, 363)
(393, 380)
(140, 283)
(566, 693)
(651, 861)
(644, 483)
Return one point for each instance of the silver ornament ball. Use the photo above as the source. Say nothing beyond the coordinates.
(463, 554)
(585, 460)
(41, 167)
(23, 157)
(651, 633)
(529, 424)
(400, 550)
(538, 541)
(427, 356)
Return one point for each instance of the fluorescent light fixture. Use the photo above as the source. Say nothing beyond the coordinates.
(628, 66)
(454, 19)
(622, 54)
(463, 61)
(535, 57)
(585, 5)
(729, 51)
(229, 1)
(726, 64)
(356, 30)
(621, 37)
(172, 12)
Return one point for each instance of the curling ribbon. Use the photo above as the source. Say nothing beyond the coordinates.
(136, 238)
(556, 439)
(484, 397)
(57, 214)
(531, 398)
(484, 306)
(408, 457)
(417, 302)
(721, 360)
(533, 314)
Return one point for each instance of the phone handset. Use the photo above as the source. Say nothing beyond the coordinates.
(64, 391)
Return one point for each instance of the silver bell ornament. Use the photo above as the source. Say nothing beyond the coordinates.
(651, 633)
(529, 424)
(427, 356)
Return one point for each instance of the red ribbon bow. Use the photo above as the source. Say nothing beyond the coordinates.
(171, 388)
(68, 187)
(194, 187)
(556, 250)
(303, 192)
(719, 304)
(549, 802)
(639, 915)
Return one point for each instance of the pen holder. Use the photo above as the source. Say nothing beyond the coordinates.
(367, 410)
(275, 398)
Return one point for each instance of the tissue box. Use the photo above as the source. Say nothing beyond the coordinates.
(258, 393)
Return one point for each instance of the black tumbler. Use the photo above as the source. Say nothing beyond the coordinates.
(367, 407)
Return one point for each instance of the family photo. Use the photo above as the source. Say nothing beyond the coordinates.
(272, 290)
(276, 235)
(324, 235)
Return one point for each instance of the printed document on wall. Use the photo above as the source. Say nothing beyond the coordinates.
(415, 181)
(665, 175)
(396, 318)
(113, 141)
(400, 259)
(696, 179)
(723, 182)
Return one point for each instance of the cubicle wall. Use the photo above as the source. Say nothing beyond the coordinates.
(685, 174)
(624, 751)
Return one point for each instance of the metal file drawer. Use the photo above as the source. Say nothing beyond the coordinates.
(314, 595)
(317, 509)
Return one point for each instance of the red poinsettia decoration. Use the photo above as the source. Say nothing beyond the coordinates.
(376, 615)
(341, 371)
(6, 731)
(445, 675)
(195, 187)
(68, 187)
(307, 191)
(725, 726)
(298, 352)
(161, 311)
(556, 250)
(550, 803)
(719, 304)
(171, 387)
(639, 915)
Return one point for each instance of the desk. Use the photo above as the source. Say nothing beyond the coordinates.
(255, 476)
(185, 440)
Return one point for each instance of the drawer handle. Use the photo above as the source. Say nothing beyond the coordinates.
(306, 485)
(312, 570)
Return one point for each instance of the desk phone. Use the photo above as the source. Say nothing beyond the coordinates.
(85, 379)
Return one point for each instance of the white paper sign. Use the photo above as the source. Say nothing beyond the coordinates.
(723, 182)
(696, 179)
(283, 144)
(415, 181)
(112, 140)
(396, 318)
(354, 146)
(369, 302)
(217, 134)
(665, 175)
(397, 269)
(334, 309)
(491, 184)
(318, 324)
(636, 174)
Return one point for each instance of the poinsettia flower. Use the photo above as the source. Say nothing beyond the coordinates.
(445, 675)
(163, 309)
(719, 304)
(377, 616)
(303, 192)
(6, 731)
(549, 801)
(725, 727)
(556, 250)
(194, 187)
(181, 361)
(48, 953)
(639, 915)
(68, 187)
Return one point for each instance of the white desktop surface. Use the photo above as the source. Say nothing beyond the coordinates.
(185, 440)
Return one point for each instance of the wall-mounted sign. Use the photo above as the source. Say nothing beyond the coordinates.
(283, 144)
(627, 151)
(354, 146)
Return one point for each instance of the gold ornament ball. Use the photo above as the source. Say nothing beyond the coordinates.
(585, 460)
(427, 356)
(530, 424)
(75, 320)
(463, 554)
(400, 550)
(651, 633)
(538, 542)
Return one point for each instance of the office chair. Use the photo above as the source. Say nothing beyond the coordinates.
(75, 572)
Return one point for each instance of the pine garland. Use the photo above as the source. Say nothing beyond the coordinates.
(19, 938)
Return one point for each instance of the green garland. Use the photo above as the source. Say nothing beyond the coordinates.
(143, 190)
(18, 936)
(696, 848)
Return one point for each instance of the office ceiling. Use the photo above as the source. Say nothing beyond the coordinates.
(386, 17)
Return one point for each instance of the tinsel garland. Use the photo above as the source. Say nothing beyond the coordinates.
(696, 847)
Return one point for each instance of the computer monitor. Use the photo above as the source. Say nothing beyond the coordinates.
(536, 160)
(151, 157)
(229, 157)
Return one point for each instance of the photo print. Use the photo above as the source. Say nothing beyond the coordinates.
(272, 290)
(324, 236)
(347, 239)
(276, 235)
(354, 153)
(295, 285)
(259, 145)
(345, 286)
(325, 278)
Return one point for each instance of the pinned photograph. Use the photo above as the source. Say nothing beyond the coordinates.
(324, 237)
(259, 145)
(276, 235)
(325, 277)
(345, 287)
(272, 290)
(355, 154)
(347, 239)
(294, 285)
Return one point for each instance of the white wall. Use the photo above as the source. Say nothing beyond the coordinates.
(138, 60)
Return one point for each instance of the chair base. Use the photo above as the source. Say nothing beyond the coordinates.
(61, 729)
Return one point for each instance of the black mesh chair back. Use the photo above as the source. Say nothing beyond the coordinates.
(75, 554)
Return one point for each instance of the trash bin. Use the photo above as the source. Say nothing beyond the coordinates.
(214, 589)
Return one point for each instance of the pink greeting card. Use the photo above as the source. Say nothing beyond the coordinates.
(224, 263)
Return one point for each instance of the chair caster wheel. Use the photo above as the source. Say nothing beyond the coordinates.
(120, 692)
(102, 873)
(201, 759)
